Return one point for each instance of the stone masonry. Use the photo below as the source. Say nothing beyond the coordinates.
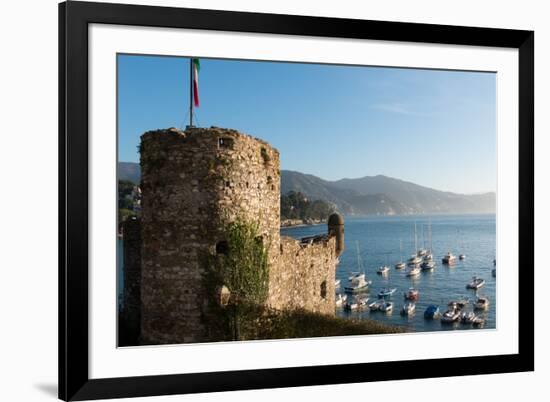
(192, 183)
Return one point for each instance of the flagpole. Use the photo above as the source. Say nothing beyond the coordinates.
(191, 92)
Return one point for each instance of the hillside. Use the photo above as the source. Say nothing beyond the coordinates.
(369, 195)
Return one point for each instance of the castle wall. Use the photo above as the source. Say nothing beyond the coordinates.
(131, 303)
(303, 277)
(193, 182)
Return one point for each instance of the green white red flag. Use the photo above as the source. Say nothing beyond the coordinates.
(196, 69)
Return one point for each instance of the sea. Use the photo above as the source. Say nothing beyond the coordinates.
(386, 240)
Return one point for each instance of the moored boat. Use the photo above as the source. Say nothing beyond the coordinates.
(432, 312)
(386, 307)
(412, 294)
(479, 322)
(449, 258)
(386, 292)
(482, 303)
(340, 300)
(357, 285)
(475, 283)
(383, 270)
(336, 283)
(400, 265)
(427, 265)
(414, 271)
(375, 306)
(408, 308)
(450, 316)
(467, 317)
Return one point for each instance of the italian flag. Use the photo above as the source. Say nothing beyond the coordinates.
(196, 69)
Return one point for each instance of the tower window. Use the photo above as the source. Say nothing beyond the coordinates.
(226, 142)
(324, 289)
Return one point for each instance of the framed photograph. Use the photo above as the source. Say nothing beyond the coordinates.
(258, 201)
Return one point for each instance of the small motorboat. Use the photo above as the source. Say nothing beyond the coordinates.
(400, 265)
(450, 316)
(479, 322)
(340, 300)
(375, 306)
(414, 260)
(432, 312)
(351, 306)
(386, 307)
(461, 256)
(428, 265)
(467, 317)
(476, 283)
(422, 252)
(383, 270)
(363, 302)
(356, 275)
(412, 294)
(458, 304)
(449, 258)
(336, 283)
(482, 303)
(428, 257)
(408, 309)
(414, 271)
(386, 292)
(358, 285)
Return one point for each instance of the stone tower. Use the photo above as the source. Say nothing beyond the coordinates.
(192, 182)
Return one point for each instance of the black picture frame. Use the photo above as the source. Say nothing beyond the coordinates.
(74, 18)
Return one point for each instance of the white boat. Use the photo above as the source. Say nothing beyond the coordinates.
(383, 270)
(363, 301)
(387, 307)
(461, 256)
(375, 305)
(449, 316)
(351, 306)
(412, 294)
(427, 265)
(336, 283)
(356, 275)
(408, 308)
(400, 264)
(467, 317)
(386, 292)
(414, 271)
(357, 285)
(449, 259)
(479, 322)
(414, 260)
(482, 303)
(428, 257)
(340, 300)
(458, 304)
(476, 283)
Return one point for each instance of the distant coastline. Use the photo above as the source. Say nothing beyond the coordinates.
(288, 223)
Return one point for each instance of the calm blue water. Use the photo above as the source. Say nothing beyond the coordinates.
(379, 238)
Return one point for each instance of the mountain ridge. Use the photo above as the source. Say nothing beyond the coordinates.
(368, 195)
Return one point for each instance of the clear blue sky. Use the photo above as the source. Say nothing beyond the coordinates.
(433, 128)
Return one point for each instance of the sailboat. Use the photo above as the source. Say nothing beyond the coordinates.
(461, 256)
(400, 264)
(357, 282)
(415, 258)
